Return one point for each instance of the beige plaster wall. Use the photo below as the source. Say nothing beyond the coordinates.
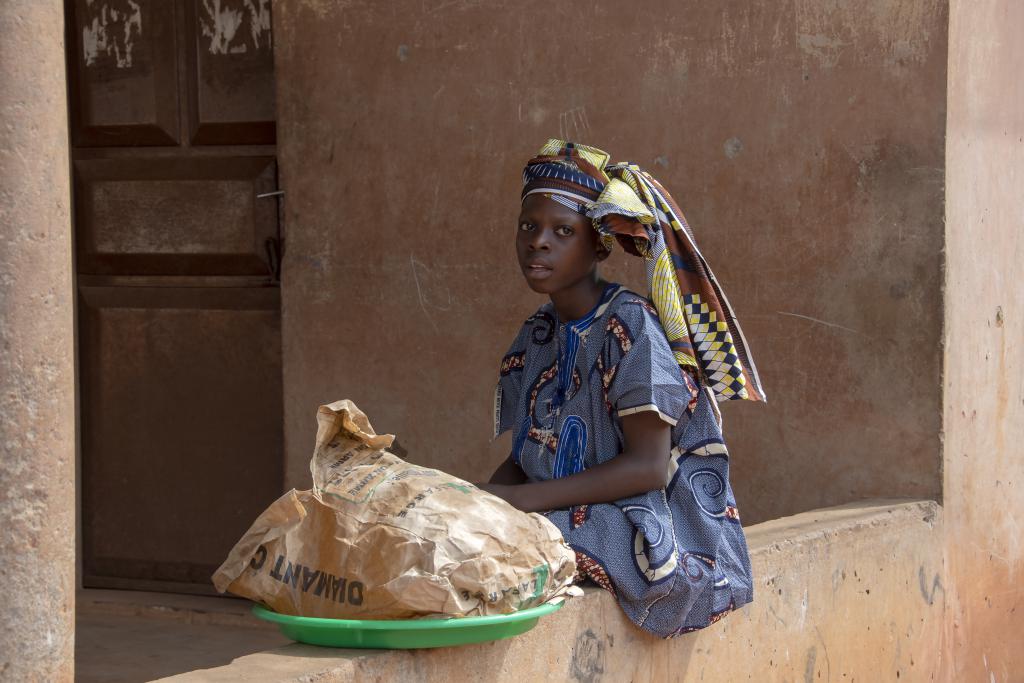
(804, 140)
(37, 408)
(984, 337)
(874, 613)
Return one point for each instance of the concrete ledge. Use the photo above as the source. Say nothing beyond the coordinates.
(845, 593)
(183, 609)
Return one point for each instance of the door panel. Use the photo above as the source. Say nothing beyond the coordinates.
(181, 402)
(178, 299)
(124, 67)
(175, 216)
(231, 72)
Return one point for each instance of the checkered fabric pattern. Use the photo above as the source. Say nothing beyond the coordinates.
(715, 347)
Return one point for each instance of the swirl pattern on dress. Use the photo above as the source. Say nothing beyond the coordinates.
(696, 565)
(572, 446)
(708, 488)
(543, 327)
(654, 547)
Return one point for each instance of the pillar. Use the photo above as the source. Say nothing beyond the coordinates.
(37, 376)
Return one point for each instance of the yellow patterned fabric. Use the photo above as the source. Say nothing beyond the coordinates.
(592, 155)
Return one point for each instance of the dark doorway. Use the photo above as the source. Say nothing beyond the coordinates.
(177, 249)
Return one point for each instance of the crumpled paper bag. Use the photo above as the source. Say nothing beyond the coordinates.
(380, 538)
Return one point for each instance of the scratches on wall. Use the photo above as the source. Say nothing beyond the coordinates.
(110, 31)
(428, 292)
(824, 647)
(819, 321)
(573, 125)
(235, 26)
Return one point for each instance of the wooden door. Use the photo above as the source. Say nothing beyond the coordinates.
(177, 243)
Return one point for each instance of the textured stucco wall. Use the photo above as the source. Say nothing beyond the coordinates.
(984, 335)
(804, 140)
(845, 594)
(37, 433)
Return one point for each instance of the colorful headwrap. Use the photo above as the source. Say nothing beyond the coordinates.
(630, 207)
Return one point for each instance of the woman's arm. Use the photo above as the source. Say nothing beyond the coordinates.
(507, 474)
(641, 467)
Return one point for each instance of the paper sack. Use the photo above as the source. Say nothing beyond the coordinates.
(380, 538)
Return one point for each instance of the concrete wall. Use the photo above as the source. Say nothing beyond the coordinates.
(984, 339)
(846, 594)
(37, 373)
(805, 139)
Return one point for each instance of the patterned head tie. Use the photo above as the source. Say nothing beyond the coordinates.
(630, 207)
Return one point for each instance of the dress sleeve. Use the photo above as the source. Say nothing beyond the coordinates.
(508, 393)
(647, 377)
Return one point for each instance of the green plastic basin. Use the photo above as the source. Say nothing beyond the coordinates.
(405, 633)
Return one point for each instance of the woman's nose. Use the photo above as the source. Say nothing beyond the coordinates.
(540, 240)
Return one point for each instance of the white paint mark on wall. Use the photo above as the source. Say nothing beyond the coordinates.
(803, 610)
(824, 48)
(733, 147)
(223, 22)
(112, 32)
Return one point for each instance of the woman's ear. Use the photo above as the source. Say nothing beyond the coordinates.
(602, 252)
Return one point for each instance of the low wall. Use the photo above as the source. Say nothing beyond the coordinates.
(844, 593)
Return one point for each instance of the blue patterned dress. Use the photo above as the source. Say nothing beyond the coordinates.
(675, 559)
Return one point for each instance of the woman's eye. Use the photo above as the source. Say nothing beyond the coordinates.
(563, 230)
(524, 226)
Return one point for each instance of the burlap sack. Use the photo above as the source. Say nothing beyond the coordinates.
(379, 538)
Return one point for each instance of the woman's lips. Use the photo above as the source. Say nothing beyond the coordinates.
(537, 271)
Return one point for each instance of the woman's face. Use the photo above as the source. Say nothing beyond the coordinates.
(557, 247)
